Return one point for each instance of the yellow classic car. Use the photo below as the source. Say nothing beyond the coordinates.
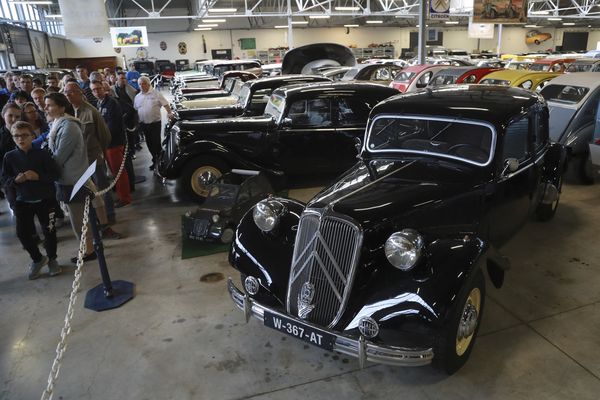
(529, 80)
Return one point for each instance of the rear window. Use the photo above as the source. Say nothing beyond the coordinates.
(564, 93)
(467, 141)
(538, 67)
(490, 81)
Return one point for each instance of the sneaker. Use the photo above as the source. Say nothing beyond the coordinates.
(109, 233)
(120, 204)
(89, 257)
(35, 267)
(54, 268)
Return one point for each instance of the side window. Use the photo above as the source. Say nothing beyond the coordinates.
(382, 74)
(424, 79)
(438, 80)
(352, 111)
(315, 112)
(470, 79)
(586, 116)
(540, 138)
(516, 140)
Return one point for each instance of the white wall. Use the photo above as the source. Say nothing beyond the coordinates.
(513, 41)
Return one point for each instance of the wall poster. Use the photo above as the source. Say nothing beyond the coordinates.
(500, 11)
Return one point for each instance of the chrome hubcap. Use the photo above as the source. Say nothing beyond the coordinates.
(468, 321)
(202, 178)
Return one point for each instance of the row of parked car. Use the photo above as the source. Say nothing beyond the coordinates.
(387, 262)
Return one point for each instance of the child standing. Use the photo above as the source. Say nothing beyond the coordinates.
(31, 173)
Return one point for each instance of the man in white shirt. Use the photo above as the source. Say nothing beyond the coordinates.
(148, 103)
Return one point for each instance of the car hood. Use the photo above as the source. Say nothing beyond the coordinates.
(560, 117)
(210, 102)
(424, 194)
(191, 129)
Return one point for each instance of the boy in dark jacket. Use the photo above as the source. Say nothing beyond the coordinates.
(32, 172)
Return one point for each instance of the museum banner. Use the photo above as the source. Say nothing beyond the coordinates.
(500, 11)
(84, 19)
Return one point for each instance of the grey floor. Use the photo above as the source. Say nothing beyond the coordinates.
(181, 338)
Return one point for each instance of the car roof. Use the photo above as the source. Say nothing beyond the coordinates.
(345, 88)
(420, 67)
(587, 79)
(493, 103)
(458, 71)
(276, 81)
(512, 74)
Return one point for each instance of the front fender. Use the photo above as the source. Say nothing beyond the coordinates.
(555, 163)
(267, 256)
(411, 307)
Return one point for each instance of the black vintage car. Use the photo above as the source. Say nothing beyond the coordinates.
(223, 87)
(307, 130)
(246, 99)
(228, 200)
(387, 264)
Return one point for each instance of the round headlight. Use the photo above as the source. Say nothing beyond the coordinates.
(215, 218)
(266, 214)
(403, 249)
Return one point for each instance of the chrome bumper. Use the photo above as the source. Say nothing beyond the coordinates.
(359, 348)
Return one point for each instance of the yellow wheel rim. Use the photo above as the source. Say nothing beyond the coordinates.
(202, 178)
(468, 321)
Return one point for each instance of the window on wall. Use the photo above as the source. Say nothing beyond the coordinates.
(33, 16)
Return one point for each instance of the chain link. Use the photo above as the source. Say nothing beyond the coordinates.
(66, 330)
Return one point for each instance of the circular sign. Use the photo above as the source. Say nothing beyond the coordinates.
(182, 46)
(117, 50)
(163, 45)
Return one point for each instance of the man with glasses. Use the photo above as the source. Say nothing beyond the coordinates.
(31, 173)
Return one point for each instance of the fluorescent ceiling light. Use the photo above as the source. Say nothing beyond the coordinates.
(420, 25)
(281, 26)
(554, 19)
(32, 2)
(351, 26)
(451, 22)
(53, 16)
(568, 23)
(318, 16)
(531, 26)
(539, 12)
(299, 22)
(207, 25)
(343, 8)
(223, 10)
(376, 21)
(203, 29)
(213, 20)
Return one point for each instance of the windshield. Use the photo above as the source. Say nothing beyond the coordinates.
(351, 74)
(580, 67)
(538, 67)
(564, 93)
(467, 141)
(241, 91)
(221, 195)
(275, 106)
(490, 81)
(404, 76)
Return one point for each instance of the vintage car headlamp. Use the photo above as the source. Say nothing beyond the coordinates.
(215, 218)
(266, 214)
(403, 249)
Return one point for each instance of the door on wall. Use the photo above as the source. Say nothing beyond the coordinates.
(221, 54)
(574, 41)
(436, 39)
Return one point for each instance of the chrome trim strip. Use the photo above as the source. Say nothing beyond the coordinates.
(362, 349)
(532, 163)
(432, 118)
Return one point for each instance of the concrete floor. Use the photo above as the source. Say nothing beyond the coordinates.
(181, 338)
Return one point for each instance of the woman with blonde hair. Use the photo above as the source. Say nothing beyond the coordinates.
(31, 114)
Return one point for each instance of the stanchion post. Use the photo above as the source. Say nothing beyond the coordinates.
(99, 249)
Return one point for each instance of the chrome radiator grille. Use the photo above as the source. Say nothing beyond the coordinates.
(325, 258)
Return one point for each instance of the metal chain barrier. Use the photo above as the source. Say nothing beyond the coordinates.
(66, 330)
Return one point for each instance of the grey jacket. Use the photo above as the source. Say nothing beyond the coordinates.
(95, 131)
(65, 140)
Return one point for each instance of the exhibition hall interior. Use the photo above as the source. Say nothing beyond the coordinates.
(310, 199)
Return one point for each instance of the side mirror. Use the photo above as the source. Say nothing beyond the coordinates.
(510, 165)
(286, 122)
(358, 144)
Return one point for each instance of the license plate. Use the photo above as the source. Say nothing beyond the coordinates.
(299, 330)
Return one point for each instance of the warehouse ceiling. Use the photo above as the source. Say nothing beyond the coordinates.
(185, 15)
